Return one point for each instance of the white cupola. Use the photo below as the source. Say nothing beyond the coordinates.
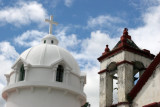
(45, 75)
(50, 39)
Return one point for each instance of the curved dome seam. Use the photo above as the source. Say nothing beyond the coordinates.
(43, 55)
(28, 53)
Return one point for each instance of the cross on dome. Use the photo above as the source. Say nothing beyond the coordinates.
(51, 22)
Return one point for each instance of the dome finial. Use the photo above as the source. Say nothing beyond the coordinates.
(49, 38)
(106, 50)
(125, 31)
(51, 22)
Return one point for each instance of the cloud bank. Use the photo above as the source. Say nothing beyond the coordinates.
(23, 13)
(148, 35)
(8, 55)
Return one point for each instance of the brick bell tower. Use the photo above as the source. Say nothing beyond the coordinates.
(121, 63)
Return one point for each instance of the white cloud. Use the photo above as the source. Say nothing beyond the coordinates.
(68, 3)
(66, 41)
(8, 51)
(33, 37)
(23, 13)
(93, 47)
(147, 36)
(143, 4)
(103, 20)
(30, 38)
(8, 54)
(92, 86)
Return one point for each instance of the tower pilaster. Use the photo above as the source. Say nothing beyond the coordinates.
(125, 81)
(106, 89)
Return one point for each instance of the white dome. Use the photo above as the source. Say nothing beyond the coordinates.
(37, 76)
(47, 54)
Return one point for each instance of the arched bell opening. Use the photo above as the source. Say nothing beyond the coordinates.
(138, 69)
(115, 89)
(112, 69)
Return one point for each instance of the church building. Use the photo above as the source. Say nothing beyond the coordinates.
(123, 63)
(45, 75)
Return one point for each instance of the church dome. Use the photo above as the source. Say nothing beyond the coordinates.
(48, 53)
(45, 71)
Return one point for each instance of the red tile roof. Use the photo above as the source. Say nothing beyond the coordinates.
(155, 104)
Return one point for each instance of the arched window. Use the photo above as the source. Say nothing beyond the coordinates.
(44, 41)
(59, 75)
(138, 69)
(112, 71)
(22, 73)
(52, 41)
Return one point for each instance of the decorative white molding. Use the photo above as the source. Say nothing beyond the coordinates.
(54, 69)
(26, 68)
(61, 62)
(20, 60)
(17, 90)
(7, 78)
(32, 85)
(49, 89)
(7, 94)
(78, 97)
(67, 73)
(16, 75)
(65, 92)
(32, 89)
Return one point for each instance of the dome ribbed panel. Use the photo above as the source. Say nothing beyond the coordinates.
(46, 54)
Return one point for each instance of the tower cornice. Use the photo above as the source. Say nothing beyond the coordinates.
(125, 44)
(126, 48)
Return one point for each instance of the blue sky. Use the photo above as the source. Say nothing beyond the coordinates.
(85, 27)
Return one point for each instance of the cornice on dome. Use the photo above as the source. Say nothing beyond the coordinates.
(20, 61)
(61, 62)
(53, 65)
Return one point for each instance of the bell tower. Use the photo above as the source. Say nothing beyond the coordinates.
(123, 63)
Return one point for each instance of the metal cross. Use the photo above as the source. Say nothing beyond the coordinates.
(51, 22)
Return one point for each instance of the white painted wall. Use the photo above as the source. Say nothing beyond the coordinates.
(116, 58)
(42, 79)
(40, 74)
(125, 76)
(150, 92)
(41, 97)
(125, 55)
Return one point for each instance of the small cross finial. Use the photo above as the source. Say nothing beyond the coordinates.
(51, 22)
